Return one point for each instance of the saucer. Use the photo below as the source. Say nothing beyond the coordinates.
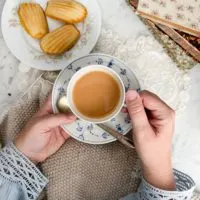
(89, 132)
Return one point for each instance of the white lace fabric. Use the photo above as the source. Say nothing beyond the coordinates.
(15, 167)
(184, 190)
(184, 185)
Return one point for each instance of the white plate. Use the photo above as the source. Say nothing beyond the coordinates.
(88, 132)
(27, 49)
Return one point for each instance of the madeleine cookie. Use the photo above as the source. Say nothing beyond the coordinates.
(60, 40)
(33, 19)
(66, 10)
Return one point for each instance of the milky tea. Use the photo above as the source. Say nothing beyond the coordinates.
(96, 94)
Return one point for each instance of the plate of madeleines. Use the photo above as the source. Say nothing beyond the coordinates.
(50, 34)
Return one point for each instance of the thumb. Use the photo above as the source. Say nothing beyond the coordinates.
(136, 111)
(54, 120)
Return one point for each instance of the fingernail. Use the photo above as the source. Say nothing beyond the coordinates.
(131, 95)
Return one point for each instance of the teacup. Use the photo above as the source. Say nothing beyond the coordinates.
(87, 78)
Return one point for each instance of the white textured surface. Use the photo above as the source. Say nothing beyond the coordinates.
(187, 137)
(124, 36)
(15, 78)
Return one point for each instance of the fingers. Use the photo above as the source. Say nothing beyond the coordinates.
(157, 107)
(51, 121)
(46, 107)
(124, 110)
(136, 111)
(64, 134)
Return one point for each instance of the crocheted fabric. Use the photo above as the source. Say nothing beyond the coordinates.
(184, 186)
(15, 167)
(183, 183)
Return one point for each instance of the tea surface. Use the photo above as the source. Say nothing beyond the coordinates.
(96, 94)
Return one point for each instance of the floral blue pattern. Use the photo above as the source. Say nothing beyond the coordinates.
(113, 120)
(69, 67)
(90, 127)
(61, 90)
(119, 128)
(123, 71)
(79, 127)
(81, 137)
(77, 69)
(104, 135)
(110, 63)
(127, 119)
(99, 61)
(84, 131)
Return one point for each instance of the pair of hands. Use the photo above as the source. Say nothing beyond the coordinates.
(153, 123)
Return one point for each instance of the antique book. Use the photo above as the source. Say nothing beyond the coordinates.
(180, 15)
(188, 42)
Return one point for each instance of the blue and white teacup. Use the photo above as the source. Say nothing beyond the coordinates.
(81, 73)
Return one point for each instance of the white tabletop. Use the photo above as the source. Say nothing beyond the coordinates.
(122, 30)
(187, 137)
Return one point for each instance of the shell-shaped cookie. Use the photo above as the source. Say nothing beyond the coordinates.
(66, 10)
(60, 40)
(33, 19)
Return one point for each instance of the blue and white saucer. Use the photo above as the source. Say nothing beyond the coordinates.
(88, 132)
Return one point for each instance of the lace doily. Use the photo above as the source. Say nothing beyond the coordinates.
(154, 69)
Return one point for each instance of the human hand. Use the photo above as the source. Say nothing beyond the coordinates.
(42, 135)
(153, 127)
